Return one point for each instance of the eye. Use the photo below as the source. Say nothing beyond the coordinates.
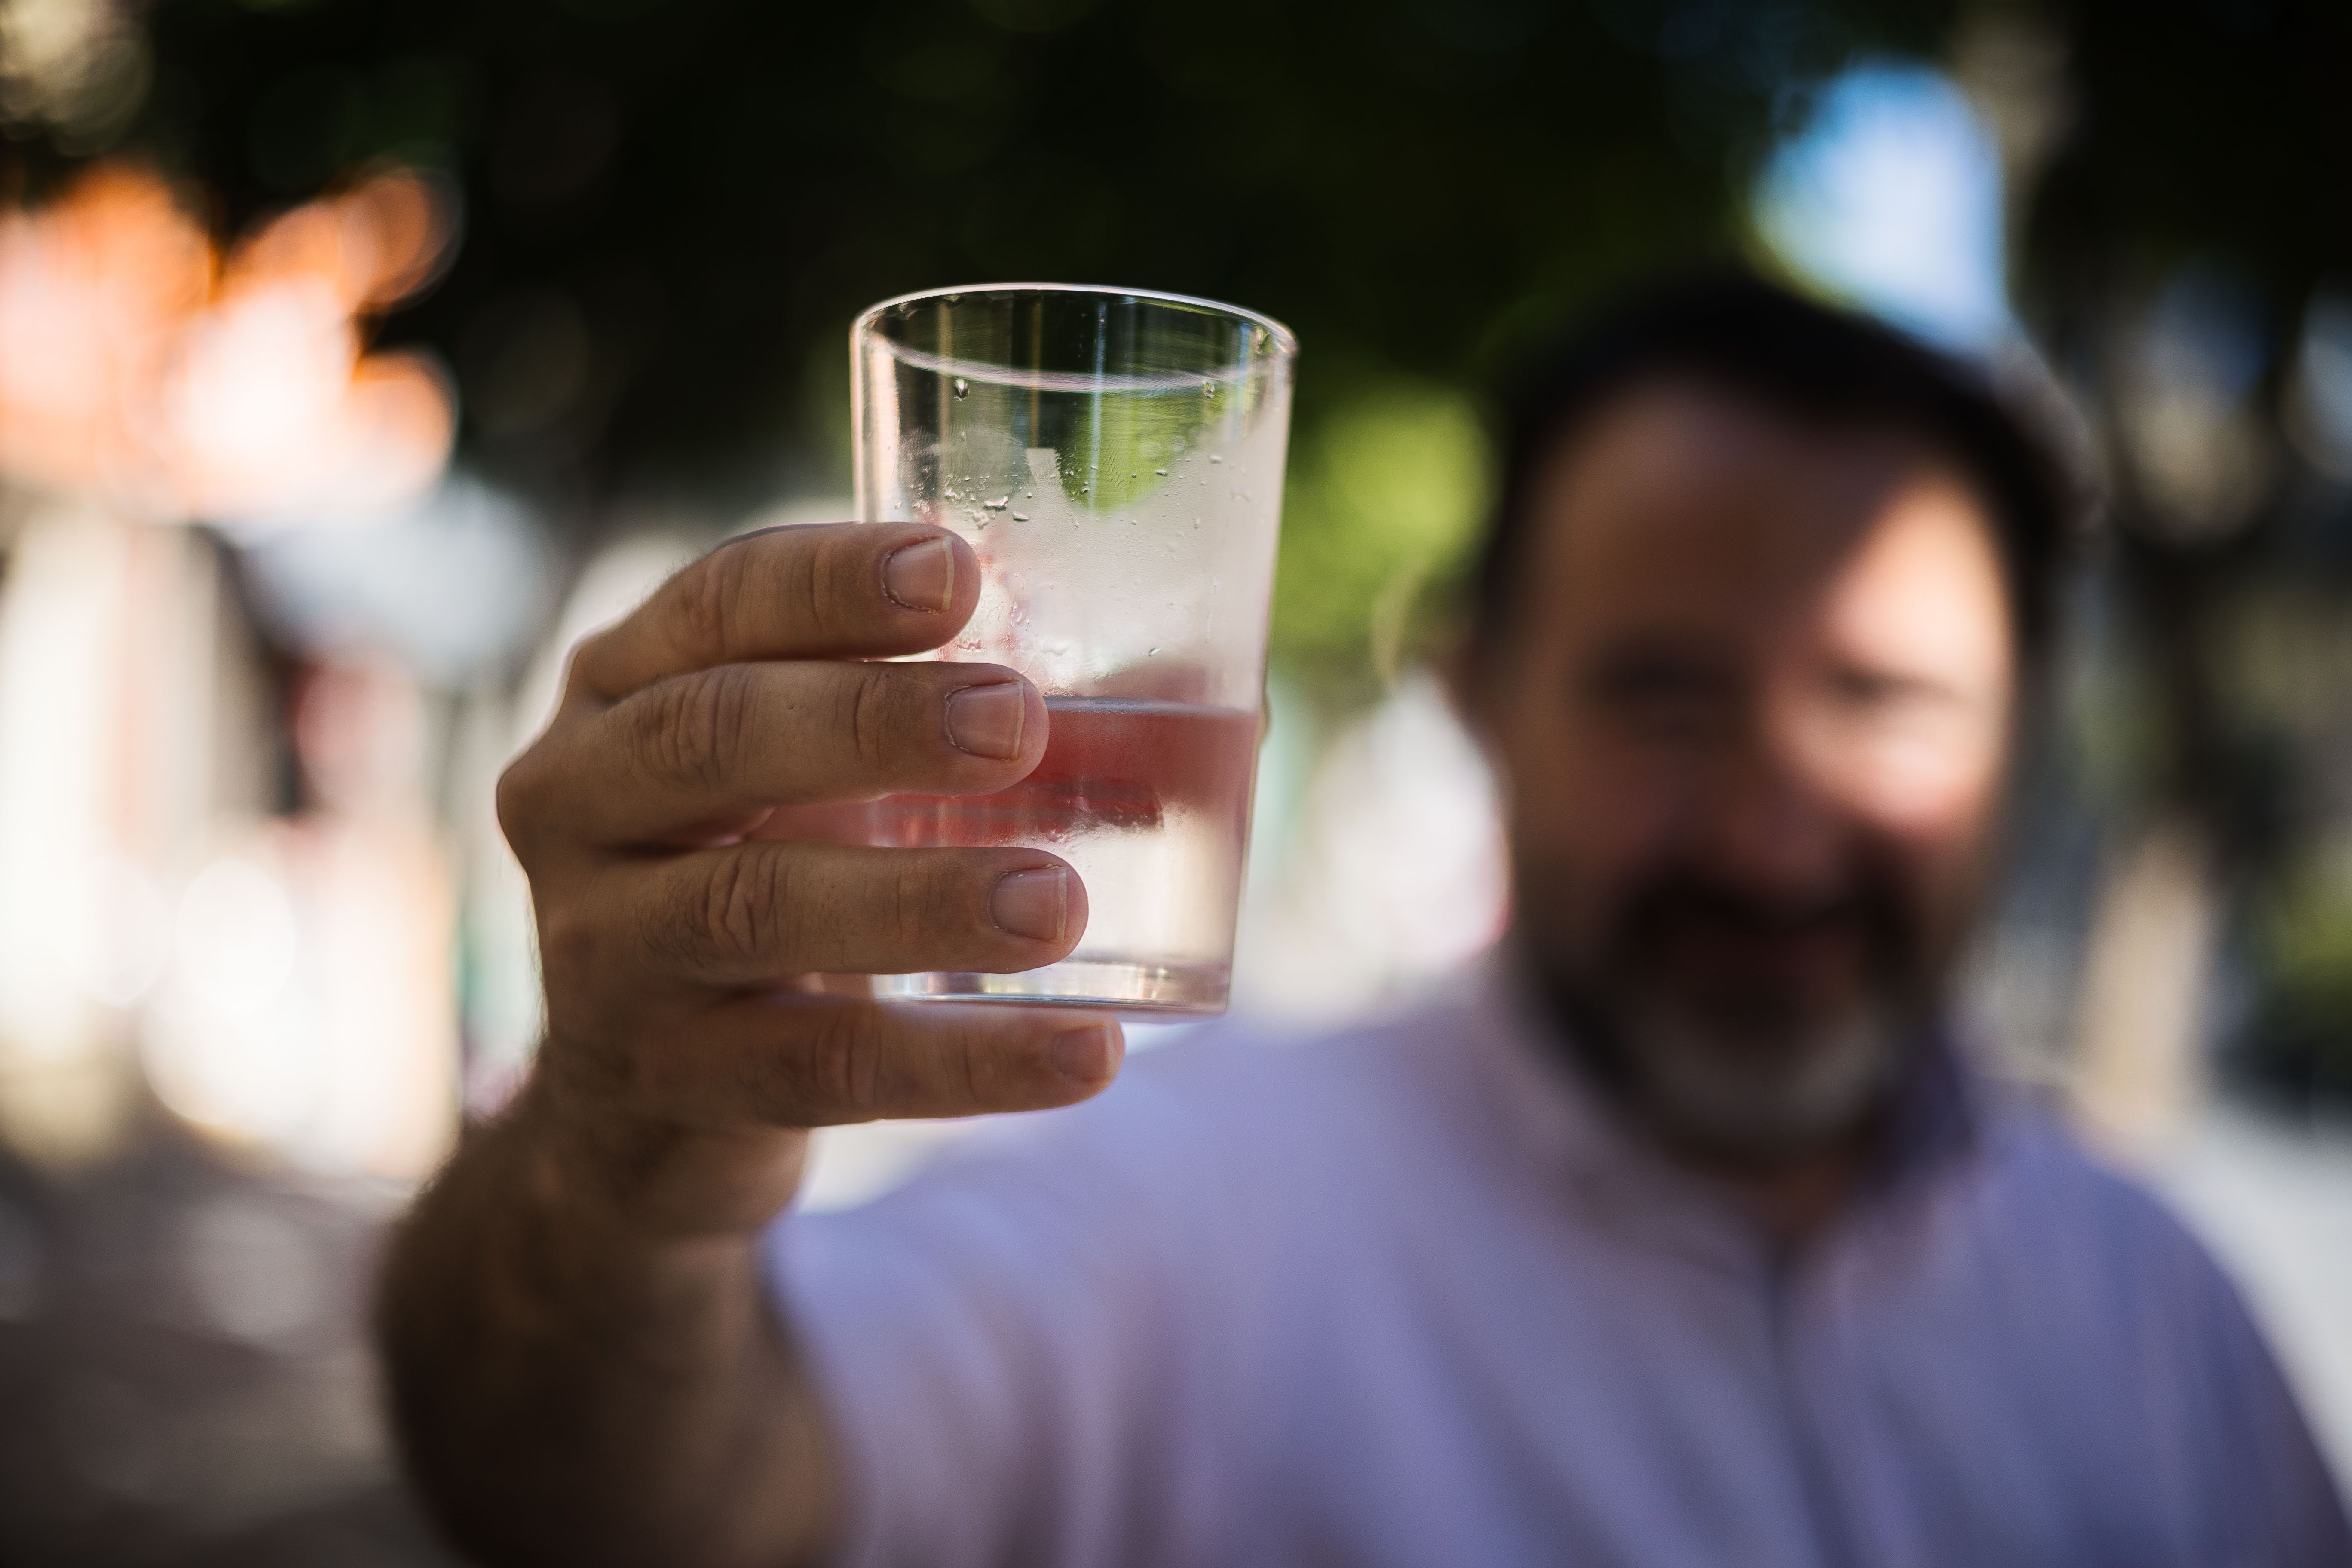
(1886, 692)
(1665, 693)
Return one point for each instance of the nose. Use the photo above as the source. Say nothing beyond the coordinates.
(1772, 823)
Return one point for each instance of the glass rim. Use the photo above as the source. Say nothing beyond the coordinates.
(1285, 341)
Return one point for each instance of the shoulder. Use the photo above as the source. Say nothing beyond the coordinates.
(2090, 1227)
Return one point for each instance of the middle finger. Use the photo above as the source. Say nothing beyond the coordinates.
(708, 755)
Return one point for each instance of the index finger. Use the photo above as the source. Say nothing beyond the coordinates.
(836, 589)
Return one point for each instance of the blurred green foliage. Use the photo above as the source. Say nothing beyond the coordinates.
(1386, 495)
(2300, 1037)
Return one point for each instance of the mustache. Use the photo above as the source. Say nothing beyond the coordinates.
(1705, 902)
(1687, 904)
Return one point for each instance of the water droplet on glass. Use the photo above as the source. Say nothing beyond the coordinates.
(1160, 471)
(962, 387)
(1151, 652)
(1020, 517)
(951, 299)
(1208, 389)
(1215, 458)
(996, 505)
(950, 495)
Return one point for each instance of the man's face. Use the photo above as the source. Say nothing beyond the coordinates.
(1752, 713)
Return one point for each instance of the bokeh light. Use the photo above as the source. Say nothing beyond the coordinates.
(1890, 196)
(140, 370)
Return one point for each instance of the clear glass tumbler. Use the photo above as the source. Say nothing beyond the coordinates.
(1115, 458)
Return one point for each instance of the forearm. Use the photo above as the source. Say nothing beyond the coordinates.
(573, 1379)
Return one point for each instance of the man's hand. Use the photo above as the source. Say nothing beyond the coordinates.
(685, 936)
(583, 1366)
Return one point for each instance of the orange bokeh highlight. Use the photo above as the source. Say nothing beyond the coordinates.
(140, 369)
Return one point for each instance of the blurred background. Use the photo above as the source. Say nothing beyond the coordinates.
(356, 356)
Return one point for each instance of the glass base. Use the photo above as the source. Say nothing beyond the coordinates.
(1131, 990)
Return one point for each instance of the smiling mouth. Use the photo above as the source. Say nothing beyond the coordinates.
(1822, 954)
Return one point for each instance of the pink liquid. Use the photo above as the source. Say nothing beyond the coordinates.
(1109, 765)
(1149, 803)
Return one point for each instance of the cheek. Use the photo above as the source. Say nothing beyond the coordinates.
(1927, 782)
(1590, 810)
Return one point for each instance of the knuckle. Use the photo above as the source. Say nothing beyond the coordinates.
(928, 899)
(742, 917)
(710, 600)
(695, 729)
(566, 941)
(516, 800)
(839, 1068)
(587, 655)
(833, 570)
(572, 940)
(869, 715)
(968, 1056)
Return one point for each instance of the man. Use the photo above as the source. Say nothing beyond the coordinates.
(1683, 1233)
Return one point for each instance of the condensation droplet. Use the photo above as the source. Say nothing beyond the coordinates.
(1216, 457)
(1150, 653)
(950, 495)
(962, 387)
(1020, 517)
(1162, 472)
(998, 504)
(1208, 389)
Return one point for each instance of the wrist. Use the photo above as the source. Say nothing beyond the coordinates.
(657, 1179)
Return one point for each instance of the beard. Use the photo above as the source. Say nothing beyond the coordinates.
(1740, 1026)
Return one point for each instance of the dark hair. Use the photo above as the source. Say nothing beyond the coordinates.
(1736, 331)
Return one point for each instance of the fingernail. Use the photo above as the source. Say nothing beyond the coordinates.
(921, 576)
(1033, 904)
(1090, 1055)
(986, 720)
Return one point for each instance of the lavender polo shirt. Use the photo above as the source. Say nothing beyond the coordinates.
(1406, 1296)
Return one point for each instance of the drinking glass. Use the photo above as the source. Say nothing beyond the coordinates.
(1115, 459)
